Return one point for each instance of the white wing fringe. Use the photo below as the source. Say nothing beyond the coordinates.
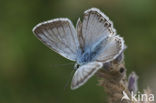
(83, 73)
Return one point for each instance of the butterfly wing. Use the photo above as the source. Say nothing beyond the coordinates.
(59, 35)
(95, 25)
(111, 48)
(83, 73)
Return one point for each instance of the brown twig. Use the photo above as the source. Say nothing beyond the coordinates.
(114, 82)
(113, 78)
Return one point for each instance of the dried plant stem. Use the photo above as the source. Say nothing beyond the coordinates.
(114, 81)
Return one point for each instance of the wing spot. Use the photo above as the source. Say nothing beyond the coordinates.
(106, 24)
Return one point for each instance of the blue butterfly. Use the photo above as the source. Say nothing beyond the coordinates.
(93, 42)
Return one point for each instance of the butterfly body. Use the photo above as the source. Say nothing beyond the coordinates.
(90, 52)
(93, 42)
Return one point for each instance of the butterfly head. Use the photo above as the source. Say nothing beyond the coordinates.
(76, 66)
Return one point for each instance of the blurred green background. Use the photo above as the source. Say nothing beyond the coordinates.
(32, 73)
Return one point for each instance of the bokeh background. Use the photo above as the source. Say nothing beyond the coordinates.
(32, 73)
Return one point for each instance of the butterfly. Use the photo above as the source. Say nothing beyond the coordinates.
(91, 44)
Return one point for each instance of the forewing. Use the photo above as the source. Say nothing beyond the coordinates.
(95, 25)
(111, 48)
(83, 73)
(59, 35)
(79, 34)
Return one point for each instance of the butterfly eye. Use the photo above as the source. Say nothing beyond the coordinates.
(76, 66)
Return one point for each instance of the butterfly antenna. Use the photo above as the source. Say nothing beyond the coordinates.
(67, 83)
(65, 64)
